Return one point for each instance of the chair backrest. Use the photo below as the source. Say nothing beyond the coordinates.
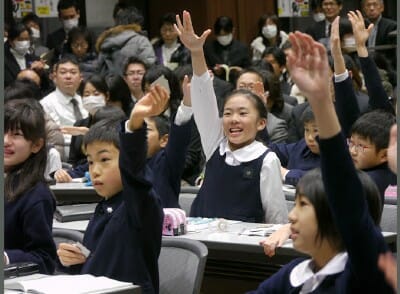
(181, 265)
(389, 218)
(186, 197)
(66, 235)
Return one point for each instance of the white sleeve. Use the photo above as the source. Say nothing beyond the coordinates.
(205, 110)
(272, 196)
(183, 114)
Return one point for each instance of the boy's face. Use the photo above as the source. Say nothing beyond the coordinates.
(154, 142)
(104, 168)
(310, 132)
(364, 153)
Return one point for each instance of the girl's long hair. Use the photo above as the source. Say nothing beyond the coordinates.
(26, 115)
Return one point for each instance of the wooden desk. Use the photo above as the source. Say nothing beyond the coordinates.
(70, 193)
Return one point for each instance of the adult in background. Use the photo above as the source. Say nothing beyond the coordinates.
(168, 49)
(226, 50)
(16, 53)
(269, 34)
(383, 30)
(68, 14)
(124, 40)
(321, 31)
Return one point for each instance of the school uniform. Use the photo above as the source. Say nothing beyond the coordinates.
(28, 223)
(251, 163)
(167, 164)
(124, 234)
(297, 158)
(383, 177)
(362, 239)
(378, 98)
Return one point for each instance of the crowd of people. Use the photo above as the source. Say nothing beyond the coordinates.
(146, 116)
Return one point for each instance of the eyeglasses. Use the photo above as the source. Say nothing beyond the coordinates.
(358, 147)
(137, 72)
(81, 45)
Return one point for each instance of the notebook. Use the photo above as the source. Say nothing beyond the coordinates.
(67, 284)
(74, 212)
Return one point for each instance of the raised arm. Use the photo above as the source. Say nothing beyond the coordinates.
(193, 42)
(345, 98)
(346, 196)
(378, 98)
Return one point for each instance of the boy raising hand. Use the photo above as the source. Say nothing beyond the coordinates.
(124, 234)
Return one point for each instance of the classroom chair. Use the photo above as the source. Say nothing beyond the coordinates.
(187, 196)
(181, 265)
(389, 218)
(66, 236)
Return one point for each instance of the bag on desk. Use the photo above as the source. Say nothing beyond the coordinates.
(174, 222)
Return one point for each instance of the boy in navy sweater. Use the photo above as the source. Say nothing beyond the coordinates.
(368, 144)
(124, 235)
(302, 156)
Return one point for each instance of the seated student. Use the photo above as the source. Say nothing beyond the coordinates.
(167, 148)
(368, 143)
(242, 179)
(29, 204)
(129, 219)
(340, 260)
(297, 158)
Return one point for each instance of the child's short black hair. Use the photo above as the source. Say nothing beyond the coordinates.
(105, 130)
(311, 186)
(307, 116)
(375, 127)
(223, 23)
(162, 123)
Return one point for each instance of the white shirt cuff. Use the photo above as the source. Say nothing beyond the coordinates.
(127, 130)
(183, 114)
(341, 77)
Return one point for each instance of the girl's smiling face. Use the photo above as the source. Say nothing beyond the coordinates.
(241, 121)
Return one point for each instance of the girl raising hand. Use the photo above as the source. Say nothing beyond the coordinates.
(242, 179)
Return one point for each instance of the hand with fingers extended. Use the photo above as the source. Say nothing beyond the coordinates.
(307, 63)
(69, 254)
(360, 32)
(276, 239)
(187, 35)
(152, 104)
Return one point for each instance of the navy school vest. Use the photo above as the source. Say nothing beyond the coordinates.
(231, 192)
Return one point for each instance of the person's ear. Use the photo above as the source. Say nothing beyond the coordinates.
(36, 146)
(261, 124)
(164, 141)
(382, 155)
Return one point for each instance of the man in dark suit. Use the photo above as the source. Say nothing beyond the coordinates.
(68, 14)
(320, 31)
(382, 27)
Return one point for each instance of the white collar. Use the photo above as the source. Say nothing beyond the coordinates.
(67, 97)
(302, 273)
(244, 154)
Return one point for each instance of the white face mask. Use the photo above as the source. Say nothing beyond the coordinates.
(225, 40)
(349, 42)
(70, 23)
(92, 103)
(35, 33)
(22, 47)
(269, 31)
(319, 16)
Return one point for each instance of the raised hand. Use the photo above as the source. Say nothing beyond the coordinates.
(360, 33)
(152, 104)
(308, 66)
(335, 38)
(187, 35)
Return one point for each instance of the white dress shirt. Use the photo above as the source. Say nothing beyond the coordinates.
(209, 124)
